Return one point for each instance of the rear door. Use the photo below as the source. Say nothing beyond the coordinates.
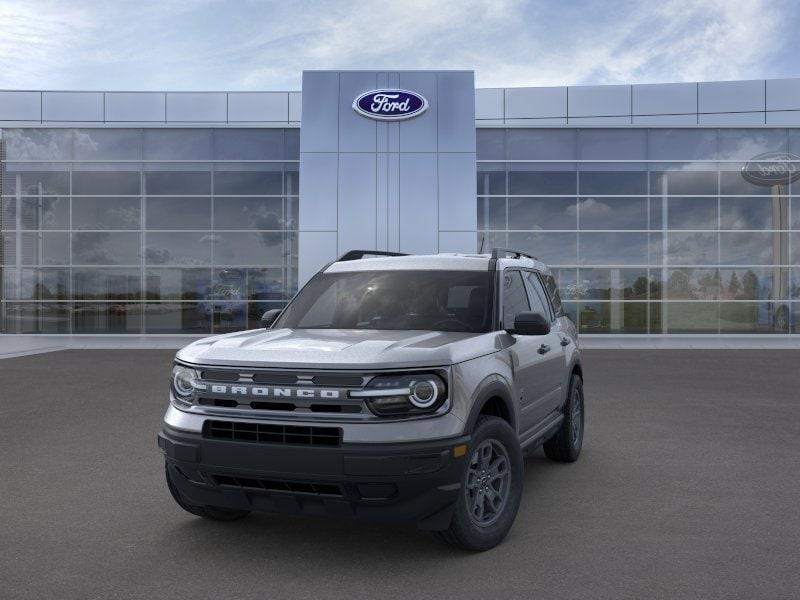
(529, 362)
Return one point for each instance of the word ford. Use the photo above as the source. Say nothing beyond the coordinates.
(385, 103)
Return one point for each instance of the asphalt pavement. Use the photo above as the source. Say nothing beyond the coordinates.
(687, 488)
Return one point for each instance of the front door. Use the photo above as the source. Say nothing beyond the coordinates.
(528, 353)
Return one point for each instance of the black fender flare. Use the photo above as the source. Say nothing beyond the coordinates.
(495, 387)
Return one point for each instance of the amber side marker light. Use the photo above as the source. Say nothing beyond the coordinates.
(459, 451)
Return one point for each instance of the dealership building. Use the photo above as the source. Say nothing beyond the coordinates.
(663, 209)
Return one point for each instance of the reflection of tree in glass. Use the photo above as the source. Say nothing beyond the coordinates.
(734, 287)
(640, 287)
(749, 286)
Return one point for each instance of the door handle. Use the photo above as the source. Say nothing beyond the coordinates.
(565, 341)
(543, 349)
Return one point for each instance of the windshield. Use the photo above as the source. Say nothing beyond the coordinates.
(432, 300)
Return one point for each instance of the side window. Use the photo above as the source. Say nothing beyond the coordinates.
(555, 297)
(537, 295)
(515, 299)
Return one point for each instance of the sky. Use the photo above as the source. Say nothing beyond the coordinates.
(263, 45)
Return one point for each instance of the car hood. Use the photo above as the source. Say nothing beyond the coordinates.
(338, 348)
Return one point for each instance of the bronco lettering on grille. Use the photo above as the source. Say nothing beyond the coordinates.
(274, 392)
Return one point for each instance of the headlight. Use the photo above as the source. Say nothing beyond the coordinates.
(184, 382)
(399, 395)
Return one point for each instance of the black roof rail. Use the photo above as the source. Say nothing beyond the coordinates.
(505, 252)
(359, 254)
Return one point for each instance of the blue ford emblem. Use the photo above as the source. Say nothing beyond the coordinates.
(390, 105)
(772, 168)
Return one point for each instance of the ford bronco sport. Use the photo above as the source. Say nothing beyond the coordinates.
(391, 388)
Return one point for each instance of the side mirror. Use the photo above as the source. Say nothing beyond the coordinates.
(268, 318)
(530, 323)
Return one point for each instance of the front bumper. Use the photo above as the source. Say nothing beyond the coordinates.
(415, 482)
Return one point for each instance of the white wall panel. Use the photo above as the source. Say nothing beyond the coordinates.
(357, 216)
(458, 241)
(318, 190)
(20, 106)
(599, 101)
(783, 94)
(258, 106)
(136, 107)
(489, 103)
(418, 204)
(457, 203)
(318, 249)
(665, 99)
(731, 96)
(536, 103)
(197, 107)
(72, 106)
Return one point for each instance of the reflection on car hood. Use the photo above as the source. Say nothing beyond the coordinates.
(339, 348)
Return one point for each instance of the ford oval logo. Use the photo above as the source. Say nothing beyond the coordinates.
(772, 168)
(390, 105)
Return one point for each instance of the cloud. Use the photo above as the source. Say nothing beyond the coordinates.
(209, 44)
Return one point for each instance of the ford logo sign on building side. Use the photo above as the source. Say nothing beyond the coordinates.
(390, 105)
(772, 168)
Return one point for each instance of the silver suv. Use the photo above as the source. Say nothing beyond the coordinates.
(391, 388)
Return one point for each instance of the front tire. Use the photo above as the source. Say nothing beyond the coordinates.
(215, 513)
(491, 489)
(565, 445)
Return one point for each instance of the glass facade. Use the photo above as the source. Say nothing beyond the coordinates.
(146, 230)
(651, 230)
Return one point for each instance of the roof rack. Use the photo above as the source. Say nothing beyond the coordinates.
(359, 254)
(505, 252)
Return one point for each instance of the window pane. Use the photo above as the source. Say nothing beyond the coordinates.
(228, 285)
(683, 183)
(755, 283)
(177, 144)
(99, 317)
(108, 144)
(490, 144)
(8, 214)
(541, 144)
(250, 248)
(542, 213)
(41, 249)
(613, 284)
(609, 183)
(690, 317)
(754, 213)
(613, 317)
(45, 212)
(491, 213)
(38, 144)
(612, 213)
(692, 249)
(613, 248)
(178, 213)
(753, 317)
(248, 183)
(96, 183)
(540, 183)
(749, 248)
(177, 284)
(745, 144)
(105, 248)
(515, 299)
(34, 317)
(291, 144)
(248, 144)
(184, 317)
(177, 183)
(693, 284)
(227, 316)
(551, 248)
(266, 284)
(731, 181)
(249, 213)
(692, 213)
(106, 284)
(178, 248)
(682, 144)
(106, 213)
(491, 180)
(36, 284)
(38, 183)
(612, 144)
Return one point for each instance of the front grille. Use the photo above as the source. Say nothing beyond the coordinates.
(268, 433)
(272, 485)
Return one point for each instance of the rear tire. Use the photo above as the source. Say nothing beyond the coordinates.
(491, 488)
(215, 513)
(565, 445)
